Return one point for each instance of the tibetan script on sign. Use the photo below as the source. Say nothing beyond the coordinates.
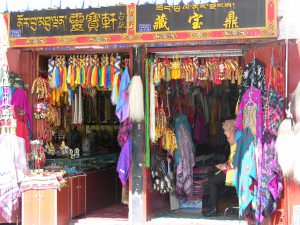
(105, 20)
(226, 14)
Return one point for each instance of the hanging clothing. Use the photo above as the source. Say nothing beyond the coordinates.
(271, 178)
(122, 107)
(254, 75)
(251, 99)
(200, 132)
(123, 166)
(245, 176)
(185, 156)
(12, 164)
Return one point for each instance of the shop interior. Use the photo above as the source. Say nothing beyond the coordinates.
(80, 128)
(204, 87)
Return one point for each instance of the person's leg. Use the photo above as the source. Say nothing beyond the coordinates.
(214, 182)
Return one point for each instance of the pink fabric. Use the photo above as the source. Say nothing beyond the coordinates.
(19, 100)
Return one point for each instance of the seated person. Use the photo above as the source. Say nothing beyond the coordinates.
(225, 173)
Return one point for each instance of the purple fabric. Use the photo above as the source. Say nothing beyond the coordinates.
(271, 179)
(19, 100)
(186, 160)
(200, 134)
(124, 130)
(122, 107)
(124, 141)
(123, 166)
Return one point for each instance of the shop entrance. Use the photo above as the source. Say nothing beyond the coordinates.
(83, 141)
(198, 89)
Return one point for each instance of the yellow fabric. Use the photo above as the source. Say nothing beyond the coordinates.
(230, 173)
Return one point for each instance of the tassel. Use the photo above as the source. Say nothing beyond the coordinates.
(136, 99)
(80, 111)
(56, 77)
(64, 86)
(115, 88)
(108, 83)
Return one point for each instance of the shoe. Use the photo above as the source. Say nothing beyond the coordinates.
(211, 212)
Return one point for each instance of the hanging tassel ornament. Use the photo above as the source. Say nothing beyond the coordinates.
(64, 73)
(51, 65)
(136, 99)
(80, 110)
(115, 88)
(41, 89)
(77, 70)
(94, 80)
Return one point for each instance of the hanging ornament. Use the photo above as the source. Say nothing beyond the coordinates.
(41, 89)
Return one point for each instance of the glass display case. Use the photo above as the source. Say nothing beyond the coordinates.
(84, 164)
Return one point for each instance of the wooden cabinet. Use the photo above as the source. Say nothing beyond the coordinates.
(45, 207)
(78, 195)
(102, 189)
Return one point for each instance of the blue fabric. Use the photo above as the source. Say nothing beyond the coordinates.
(245, 176)
(123, 166)
(122, 107)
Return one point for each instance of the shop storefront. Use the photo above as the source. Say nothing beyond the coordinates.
(194, 61)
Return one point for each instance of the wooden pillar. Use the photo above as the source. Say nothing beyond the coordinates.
(136, 212)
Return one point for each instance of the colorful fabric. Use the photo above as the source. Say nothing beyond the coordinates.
(185, 156)
(254, 75)
(122, 107)
(250, 98)
(271, 178)
(19, 100)
(123, 166)
(245, 176)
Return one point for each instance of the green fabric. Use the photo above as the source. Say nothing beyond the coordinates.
(147, 114)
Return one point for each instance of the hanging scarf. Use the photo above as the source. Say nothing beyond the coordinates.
(184, 156)
(123, 166)
(122, 107)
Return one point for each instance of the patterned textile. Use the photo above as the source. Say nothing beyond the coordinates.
(12, 164)
(186, 160)
(245, 176)
(251, 97)
(254, 75)
(124, 141)
(122, 107)
(271, 178)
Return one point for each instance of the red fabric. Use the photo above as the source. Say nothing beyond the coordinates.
(22, 131)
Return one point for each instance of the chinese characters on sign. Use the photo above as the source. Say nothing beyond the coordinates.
(149, 23)
(69, 22)
(223, 15)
